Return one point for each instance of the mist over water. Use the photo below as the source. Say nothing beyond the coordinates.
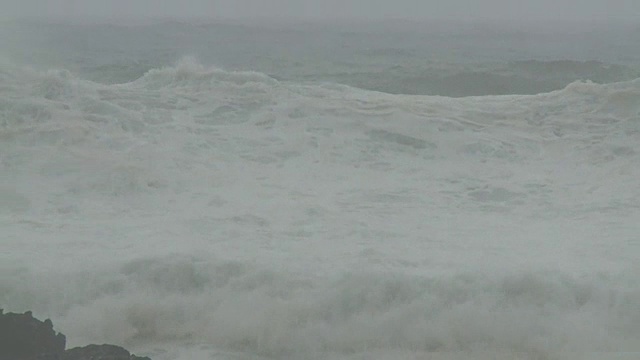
(419, 58)
(363, 191)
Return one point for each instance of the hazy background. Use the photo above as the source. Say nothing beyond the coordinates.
(599, 10)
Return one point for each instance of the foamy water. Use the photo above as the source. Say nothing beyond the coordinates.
(203, 213)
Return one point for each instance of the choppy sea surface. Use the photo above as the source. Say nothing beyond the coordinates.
(221, 190)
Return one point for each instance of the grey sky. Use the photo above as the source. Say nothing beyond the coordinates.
(364, 9)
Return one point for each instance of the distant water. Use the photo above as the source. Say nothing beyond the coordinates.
(401, 58)
(226, 191)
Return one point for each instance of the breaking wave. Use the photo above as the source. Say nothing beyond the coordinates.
(238, 307)
(182, 198)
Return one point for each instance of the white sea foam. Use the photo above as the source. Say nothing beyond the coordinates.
(235, 306)
(219, 214)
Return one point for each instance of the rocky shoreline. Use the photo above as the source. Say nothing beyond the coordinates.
(23, 337)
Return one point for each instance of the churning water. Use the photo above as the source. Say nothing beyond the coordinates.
(323, 193)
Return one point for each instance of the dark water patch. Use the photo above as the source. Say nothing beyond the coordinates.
(383, 135)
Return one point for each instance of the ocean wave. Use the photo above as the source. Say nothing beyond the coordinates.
(520, 77)
(235, 306)
(117, 73)
(190, 100)
(56, 99)
(189, 72)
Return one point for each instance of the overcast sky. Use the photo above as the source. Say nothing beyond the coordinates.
(363, 9)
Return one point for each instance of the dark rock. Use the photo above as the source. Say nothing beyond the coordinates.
(22, 337)
(100, 352)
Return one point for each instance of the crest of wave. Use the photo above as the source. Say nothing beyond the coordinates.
(189, 72)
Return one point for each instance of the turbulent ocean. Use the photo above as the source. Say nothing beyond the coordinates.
(226, 190)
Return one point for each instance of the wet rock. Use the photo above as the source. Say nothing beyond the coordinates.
(23, 337)
(100, 352)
